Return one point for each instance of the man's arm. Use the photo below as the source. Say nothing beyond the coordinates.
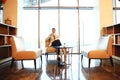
(48, 38)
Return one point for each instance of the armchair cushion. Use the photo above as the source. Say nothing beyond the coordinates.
(50, 49)
(28, 54)
(98, 54)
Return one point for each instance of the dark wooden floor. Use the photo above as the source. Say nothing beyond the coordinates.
(48, 70)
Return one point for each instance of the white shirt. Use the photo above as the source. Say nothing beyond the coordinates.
(52, 37)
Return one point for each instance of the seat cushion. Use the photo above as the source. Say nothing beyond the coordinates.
(50, 49)
(95, 54)
(28, 54)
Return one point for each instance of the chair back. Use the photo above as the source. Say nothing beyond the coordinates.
(47, 42)
(109, 47)
(49, 49)
(17, 44)
(105, 43)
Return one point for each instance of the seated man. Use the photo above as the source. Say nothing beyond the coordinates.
(52, 37)
(54, 41)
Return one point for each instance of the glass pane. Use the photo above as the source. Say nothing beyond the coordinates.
(28, 28)
(48, 20)
(48, 2)
(86, 2)
(114, 18)
(30, 2)
(89, 32)
(1, 16)
(113, 3)
(117, 3)
(69, 28)
(118, 16)
(68, 3)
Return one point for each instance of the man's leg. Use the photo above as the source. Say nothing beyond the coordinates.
(59, 58)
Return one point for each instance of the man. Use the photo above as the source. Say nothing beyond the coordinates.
(54, 41)
(52, 37)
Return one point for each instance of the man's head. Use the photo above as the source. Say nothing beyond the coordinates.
(53, 30)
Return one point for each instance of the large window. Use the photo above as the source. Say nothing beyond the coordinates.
(75, 21)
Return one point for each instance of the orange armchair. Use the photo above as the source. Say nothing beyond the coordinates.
(49, 49)
(20, 53)
(103, 50)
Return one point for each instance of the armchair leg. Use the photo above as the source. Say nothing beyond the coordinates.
(111, 60)
(35, 63)
(12, 62)
(100, 62)
(89, 63)
(47, 56)
(81, 57)
(41, 57)
(22, 63)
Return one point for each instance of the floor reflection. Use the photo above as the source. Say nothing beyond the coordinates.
(54, 71)
(48, 70)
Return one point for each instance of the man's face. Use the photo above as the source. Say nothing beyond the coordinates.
(53, 30)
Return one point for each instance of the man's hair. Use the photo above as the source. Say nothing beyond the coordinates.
(53, 29)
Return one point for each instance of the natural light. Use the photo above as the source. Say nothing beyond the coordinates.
(76, 24)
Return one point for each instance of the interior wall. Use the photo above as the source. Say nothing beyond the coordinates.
(106, 14)
(10, 11)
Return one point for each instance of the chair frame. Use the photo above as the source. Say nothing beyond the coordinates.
(110, 57)
(12, 41)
